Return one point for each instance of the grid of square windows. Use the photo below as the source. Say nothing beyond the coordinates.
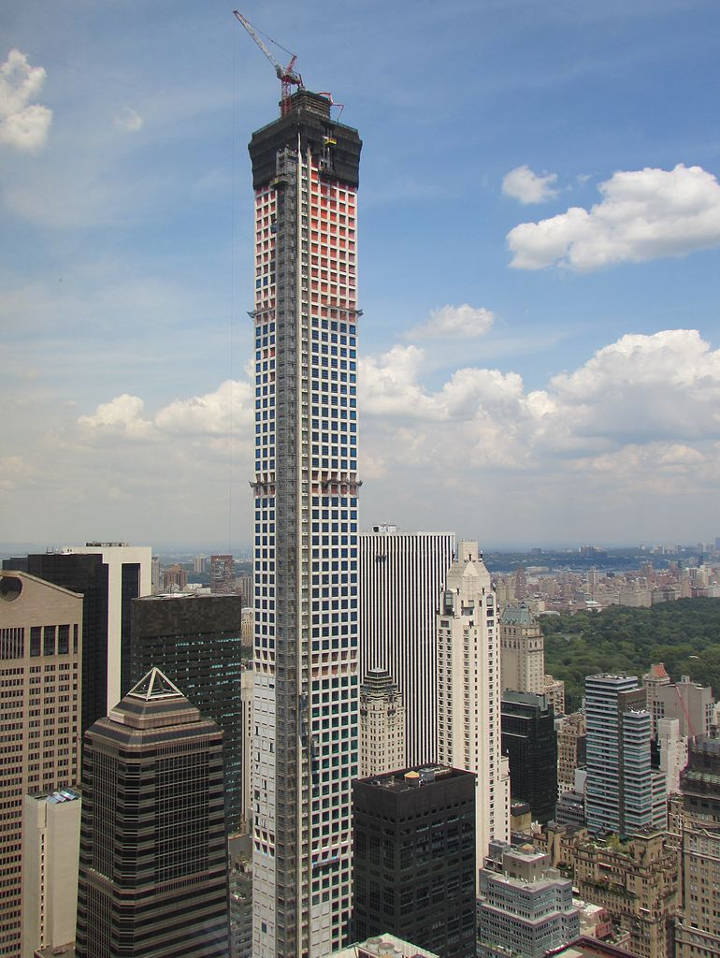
(328, 360)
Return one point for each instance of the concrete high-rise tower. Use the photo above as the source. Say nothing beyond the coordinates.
(40, 668)
(623, 793)
(305, 700)
(401, 578)
(469, 691)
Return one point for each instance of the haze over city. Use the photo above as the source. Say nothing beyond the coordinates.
(540, 221)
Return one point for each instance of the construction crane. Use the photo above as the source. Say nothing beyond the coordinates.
(287, 75)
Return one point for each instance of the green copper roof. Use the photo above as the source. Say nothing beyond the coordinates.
(517, 615)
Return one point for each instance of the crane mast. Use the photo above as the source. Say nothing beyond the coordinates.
(287, 75)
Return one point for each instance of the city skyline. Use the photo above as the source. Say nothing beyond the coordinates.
(579, 382)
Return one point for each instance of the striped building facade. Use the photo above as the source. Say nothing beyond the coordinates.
(402, 576)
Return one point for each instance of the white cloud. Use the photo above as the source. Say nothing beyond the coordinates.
(218, 413)
(389, 386)
(464, 321)
(128, 120)
(528, 187)
(664, 386)
(228, 408)
(643, 389)
(644, 214)
(632, 433)
(23, 125)
(121, 416)
(659, 391)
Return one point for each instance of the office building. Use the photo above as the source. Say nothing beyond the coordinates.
(222, 573)
(571, 733)
(153, 851)
(522, 650)
(525, 907)
(306, 683)
(40, 667)
(382, 725)
(174, 578)
(51, 844)
(697, 930)
(109, 575)
(415, 854)
(195, 641)
(402, 576)
(468, 689)
(623, 793)
(529, 741)
(570, 807)
(691, 703)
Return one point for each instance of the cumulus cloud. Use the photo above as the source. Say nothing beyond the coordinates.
(229, 407)
(639, 418)
(23, 125)
(128, 120)
(389, 384)
(122, 416)
(528, 187)
(662, 386)
(641, 390)
(658, 392)
(214, 414)
(644, 214)
(467, 322)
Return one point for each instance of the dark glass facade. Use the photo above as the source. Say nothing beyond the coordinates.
(88, 575)
(130, 589)
(414, 859)
(530, 743)
(195, 641)
(153, 856)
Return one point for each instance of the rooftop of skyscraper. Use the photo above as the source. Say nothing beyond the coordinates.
(412, 778)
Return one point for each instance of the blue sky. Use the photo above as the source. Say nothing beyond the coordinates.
(539, 252)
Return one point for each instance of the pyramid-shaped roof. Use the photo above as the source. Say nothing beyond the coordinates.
(155, 685)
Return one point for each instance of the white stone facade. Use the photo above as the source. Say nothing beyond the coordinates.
(469, 691)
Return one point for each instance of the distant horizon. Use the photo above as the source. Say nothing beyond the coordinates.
(9, 549)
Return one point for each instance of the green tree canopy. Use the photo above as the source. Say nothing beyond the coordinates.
(685, 635)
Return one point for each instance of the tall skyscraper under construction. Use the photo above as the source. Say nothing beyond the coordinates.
(305, 702)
